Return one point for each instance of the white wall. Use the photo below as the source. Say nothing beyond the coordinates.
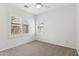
(77, 27)
(6, 40)
(59, 26)
(3, 26)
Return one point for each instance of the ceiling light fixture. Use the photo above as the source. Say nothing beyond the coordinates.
(38, 5)
(26, 6)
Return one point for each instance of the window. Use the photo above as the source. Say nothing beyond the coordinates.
(17, 27)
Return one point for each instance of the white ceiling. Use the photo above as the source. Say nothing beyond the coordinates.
(32, 9)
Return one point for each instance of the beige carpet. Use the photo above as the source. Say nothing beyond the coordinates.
(37, 48)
